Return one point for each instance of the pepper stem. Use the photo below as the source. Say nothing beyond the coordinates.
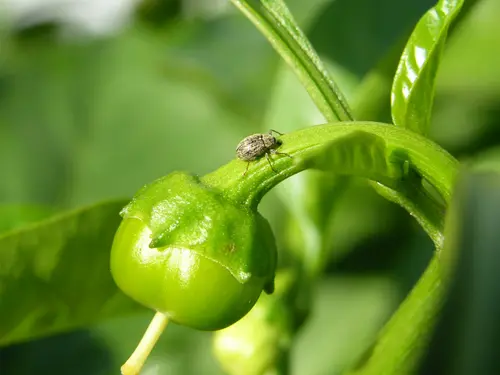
(134, 364)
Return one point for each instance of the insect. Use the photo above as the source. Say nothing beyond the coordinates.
(257, 145)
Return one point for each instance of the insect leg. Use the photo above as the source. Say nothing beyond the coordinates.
(269, 161)
(281, 153)
(246, 170)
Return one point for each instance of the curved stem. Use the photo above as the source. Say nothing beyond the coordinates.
(429, 160)
(136, 361)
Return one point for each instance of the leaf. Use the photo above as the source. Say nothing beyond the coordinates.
(413, 87)
(12, 216)
(54, 275)
(275, 21)
(468, 331)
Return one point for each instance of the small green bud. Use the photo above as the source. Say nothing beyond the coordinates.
(259, 343)
(185, 250)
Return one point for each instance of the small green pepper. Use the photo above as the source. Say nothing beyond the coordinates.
(185, 250)
(260, 342)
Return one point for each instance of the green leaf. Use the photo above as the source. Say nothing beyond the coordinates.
(275, 21)
(467, 334)
(12, 216)
(413, 87)
(54, 275)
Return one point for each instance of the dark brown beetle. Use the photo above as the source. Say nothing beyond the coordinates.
(255, 146)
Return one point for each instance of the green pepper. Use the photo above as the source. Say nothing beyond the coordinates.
(189, 252)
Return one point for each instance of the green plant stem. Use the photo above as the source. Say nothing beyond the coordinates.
(274, 20)
(432, 162)
(136, 361)
(405, 336)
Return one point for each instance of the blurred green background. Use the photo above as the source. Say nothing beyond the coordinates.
(94, 105)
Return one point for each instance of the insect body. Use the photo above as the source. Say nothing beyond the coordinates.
(255, 146)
